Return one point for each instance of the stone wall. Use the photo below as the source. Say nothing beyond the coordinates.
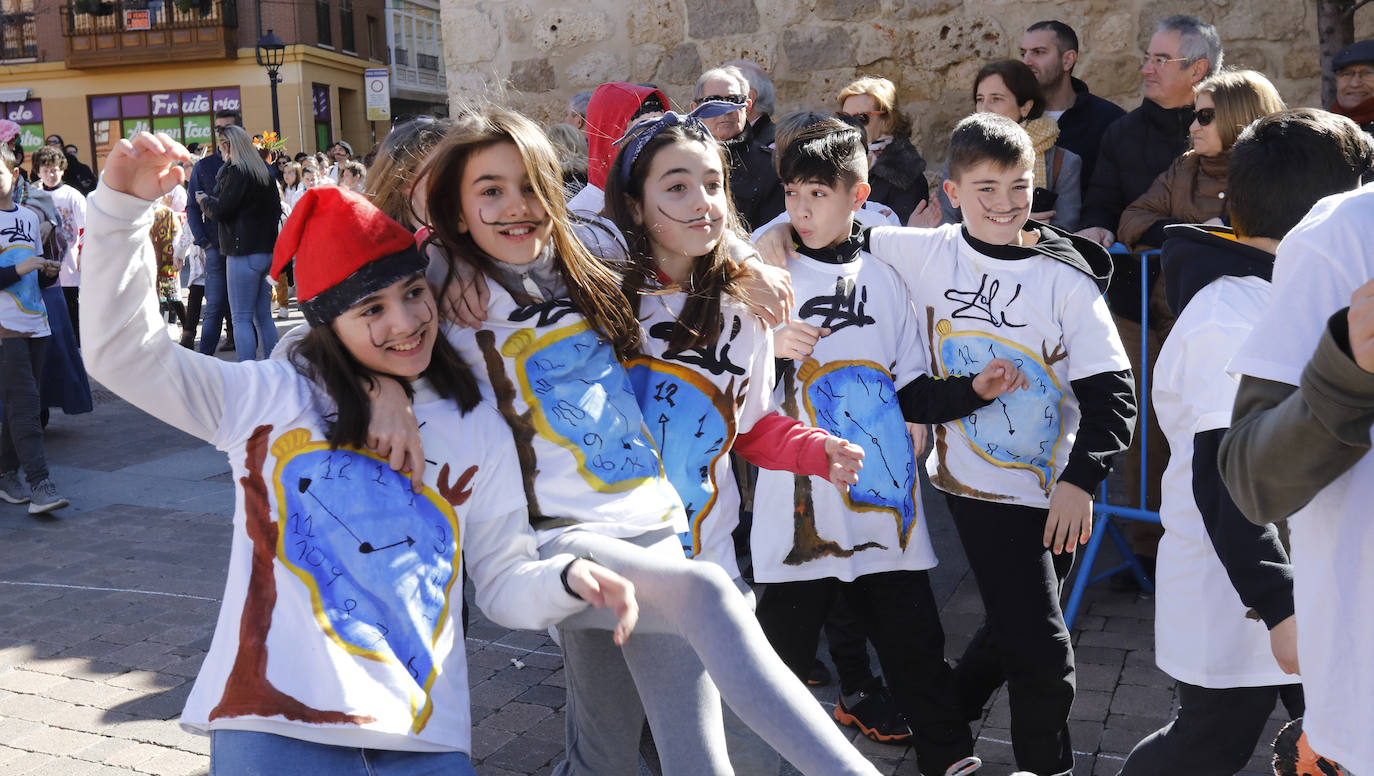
(537, 53)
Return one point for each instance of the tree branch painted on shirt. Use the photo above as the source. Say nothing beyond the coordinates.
(521, 424)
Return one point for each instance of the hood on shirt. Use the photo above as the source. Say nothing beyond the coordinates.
(1194, 256)
(608, 113)
(1084, 255)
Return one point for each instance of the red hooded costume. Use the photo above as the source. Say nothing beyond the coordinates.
(608, 113)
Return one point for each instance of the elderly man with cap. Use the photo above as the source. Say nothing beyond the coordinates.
(1354, 69)
(78, 175)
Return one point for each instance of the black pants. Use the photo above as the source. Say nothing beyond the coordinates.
(192, 318)
(1214, 733)
(1023, 640)
(848, 646)
(897, 608)
(73, 297)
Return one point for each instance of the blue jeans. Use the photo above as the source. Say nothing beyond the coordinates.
(250, 302)
(247, 753)
(215, 307)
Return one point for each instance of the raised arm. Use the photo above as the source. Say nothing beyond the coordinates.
(125, 343)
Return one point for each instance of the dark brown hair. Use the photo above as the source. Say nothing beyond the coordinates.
(989, 137)
(1019, 80)
(49, 155)
(715, 273)
(322, 356)
(593, 288)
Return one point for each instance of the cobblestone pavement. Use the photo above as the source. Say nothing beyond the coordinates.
(106, 610)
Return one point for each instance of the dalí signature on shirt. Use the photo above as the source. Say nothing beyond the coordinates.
(982, 304)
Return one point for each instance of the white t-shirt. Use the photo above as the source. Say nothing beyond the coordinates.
(71, 208)
(695, 402)
(22, 311)
(363, 641)
(588, 459)
(1202, 634)
(1320, 264)
(1042, 314)
(849, 388)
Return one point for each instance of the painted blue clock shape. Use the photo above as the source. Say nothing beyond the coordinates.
(858, 401)
(683, 416)
(26, 292)
(1019, 430)
(581, 399)
(380, 561)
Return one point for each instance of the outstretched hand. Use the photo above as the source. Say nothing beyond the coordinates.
(998, 377)
(147, 166)
(603, 588)
(846, 459)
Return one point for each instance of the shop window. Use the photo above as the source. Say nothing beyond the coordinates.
(187, 116)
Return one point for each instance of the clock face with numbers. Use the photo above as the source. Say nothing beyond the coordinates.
(857, 400)
(682, 410)
(380, 560)
(1021, 429)
(580, 398)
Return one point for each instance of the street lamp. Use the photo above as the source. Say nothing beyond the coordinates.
(271, 51)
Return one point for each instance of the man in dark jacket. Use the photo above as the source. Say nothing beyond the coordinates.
(214, 313)
(754, 185)
(1050, 50)
(1139, 146)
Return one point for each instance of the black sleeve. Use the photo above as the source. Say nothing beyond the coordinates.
(1154, 236)
(1107, 403)
(224, 202)
(8, 277)
(1253, 555)
(928, 400)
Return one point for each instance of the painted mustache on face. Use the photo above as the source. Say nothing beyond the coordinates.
(482, 216)
(688, 222)
(382, 342)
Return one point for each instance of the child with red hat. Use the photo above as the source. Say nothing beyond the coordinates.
(341, 649)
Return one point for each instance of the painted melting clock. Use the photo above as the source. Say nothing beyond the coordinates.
(380, 560)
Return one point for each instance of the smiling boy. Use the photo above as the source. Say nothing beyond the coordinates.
(51, 165)
(1018, 473)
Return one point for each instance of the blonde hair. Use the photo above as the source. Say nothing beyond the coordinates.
(1240, 97)
(243, 155)
(571, 144)
(883, 92)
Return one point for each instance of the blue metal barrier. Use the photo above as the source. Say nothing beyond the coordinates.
(1105, 514)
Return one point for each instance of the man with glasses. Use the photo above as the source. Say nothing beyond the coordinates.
(1140, 145)
(214, 313)
(754, 185)
(1354, 68)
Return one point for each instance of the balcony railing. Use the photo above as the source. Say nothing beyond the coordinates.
(121, 32)
(18, 36)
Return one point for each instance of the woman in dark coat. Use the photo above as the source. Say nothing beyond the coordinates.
(247, 208)
(897, 171)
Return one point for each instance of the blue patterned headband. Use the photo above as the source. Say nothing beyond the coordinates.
(643, 133)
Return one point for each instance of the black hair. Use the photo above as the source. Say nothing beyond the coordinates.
(1064, 36)
(1019, 80)
(1284, 162)
(322, 356)
(828, 152)
(651, 104)
(230, 114)
(988, 137)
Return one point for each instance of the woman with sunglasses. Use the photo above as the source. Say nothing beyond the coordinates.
(896, 169)
(1193, 189)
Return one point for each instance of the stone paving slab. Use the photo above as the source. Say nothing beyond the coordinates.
(106, 611)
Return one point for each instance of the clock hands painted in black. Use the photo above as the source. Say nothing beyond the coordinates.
(364, 547)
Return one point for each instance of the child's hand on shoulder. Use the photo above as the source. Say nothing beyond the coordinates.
(1361, 320)
(846, 459)
(796, 340)
(1071, 518)
(998, 377)
(466, 296)
(393, 432)
(146, 167)
(774, 245)
(768, 292)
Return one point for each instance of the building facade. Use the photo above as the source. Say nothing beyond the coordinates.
(94, 71)
(418, 82)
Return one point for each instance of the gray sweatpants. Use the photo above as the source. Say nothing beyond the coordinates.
(21, 430)
(683, 602)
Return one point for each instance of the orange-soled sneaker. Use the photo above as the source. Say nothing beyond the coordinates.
(875, 714)
(1293, 755)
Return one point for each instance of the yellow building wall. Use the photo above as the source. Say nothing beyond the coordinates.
(64, 94)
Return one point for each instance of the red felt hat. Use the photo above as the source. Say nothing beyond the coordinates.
(345, 249)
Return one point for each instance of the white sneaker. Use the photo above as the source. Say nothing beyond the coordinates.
(45, 498)
(282, 313)
(12, 490)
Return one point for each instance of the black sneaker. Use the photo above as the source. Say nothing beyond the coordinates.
(1293, 755)
(875, 714)
(819, 675)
